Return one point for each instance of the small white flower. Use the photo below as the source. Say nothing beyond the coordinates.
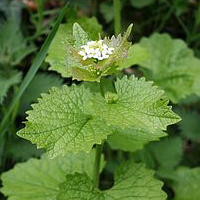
(96, 50)
(82, 53)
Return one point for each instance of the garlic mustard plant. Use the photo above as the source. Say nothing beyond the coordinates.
(73, 123)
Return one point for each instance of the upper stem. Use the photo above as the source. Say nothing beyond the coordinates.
(97, 165)
(117, 16)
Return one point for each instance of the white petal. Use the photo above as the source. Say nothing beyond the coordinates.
(105, 46)
(92, 50)
(87, 50)
(95, 56)
(104, 52)
(109, 52)
(82, 53)
(90, 42)
(85, 57)
(100, 58)
(105, 56)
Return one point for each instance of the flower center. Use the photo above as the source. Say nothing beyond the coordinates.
(96, 50)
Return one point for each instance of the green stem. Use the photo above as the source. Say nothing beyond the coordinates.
(97, 165)
(117, 16)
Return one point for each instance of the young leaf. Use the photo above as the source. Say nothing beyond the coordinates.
(172, 65)
(60, 122)
(38, 179)
(6, 81)
(132, 182)
(136, 104)
(80, 36)
(186, 184)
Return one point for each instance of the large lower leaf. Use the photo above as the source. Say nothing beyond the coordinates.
(60, 122)
(132, 182)
(38, 179)
(171, 65)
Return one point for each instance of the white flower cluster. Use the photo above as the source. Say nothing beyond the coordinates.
(95, 49)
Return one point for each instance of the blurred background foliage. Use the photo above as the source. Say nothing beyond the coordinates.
(25, 24)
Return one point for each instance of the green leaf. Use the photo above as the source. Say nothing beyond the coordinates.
(8, 80)
(80, 36)
(141, 3)
(132, 139)
(136, 54)
(136, 104)
(91, 26)
(38, 179)
(189, 125)
(41, 83)
(187, 183)
(60, 122)
(57, 52)
(168, 152)
(163, 156)
(132, 182)
(172, 65)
